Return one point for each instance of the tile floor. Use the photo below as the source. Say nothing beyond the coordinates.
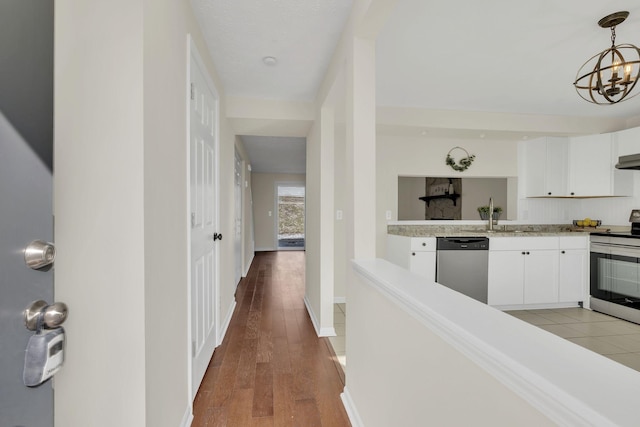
(612, 337)
(338, 342)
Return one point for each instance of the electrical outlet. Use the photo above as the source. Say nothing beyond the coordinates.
(388, 215)
(338, 214)
(269, 213)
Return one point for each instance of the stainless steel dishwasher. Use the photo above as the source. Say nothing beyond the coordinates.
(462, 264)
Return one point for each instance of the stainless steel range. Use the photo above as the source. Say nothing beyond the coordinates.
(615, 274)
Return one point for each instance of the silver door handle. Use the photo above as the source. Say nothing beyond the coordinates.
(54, 314)
(39, 254)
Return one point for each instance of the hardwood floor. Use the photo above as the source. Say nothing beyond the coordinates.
(271, 369)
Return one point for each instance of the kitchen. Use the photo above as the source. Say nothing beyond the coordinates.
(553, 171)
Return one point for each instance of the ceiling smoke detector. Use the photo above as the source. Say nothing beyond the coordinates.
(270, 60)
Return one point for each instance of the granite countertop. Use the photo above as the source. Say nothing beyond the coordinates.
(530, 230)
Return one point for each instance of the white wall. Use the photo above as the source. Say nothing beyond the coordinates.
(263, 186)
(427, 381)
(99, 211)
(121, 210)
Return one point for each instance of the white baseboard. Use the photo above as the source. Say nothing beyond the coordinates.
(225, 323)
(187, 418)
(350, 407)
(339, 300)
(321, 332)
(271, 249)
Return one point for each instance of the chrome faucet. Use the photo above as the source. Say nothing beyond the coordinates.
(490, 214)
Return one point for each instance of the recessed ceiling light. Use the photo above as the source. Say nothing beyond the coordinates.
(270, 60)
(424, 132)
(525, 137)
(482, 135)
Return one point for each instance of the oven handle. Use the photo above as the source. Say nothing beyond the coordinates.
(601, 249)
(620, 250)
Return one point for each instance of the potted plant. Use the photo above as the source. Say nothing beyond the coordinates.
(484, 212)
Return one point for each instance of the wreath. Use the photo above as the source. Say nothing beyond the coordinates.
(464, 162)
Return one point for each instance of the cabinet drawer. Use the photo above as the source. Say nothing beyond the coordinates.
(577, 242)
(522, 243)
(423, 244)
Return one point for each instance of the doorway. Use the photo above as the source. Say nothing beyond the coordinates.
(290, 215)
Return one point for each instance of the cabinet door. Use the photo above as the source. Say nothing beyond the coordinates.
(506, 273)
(540, 277)
(591, 166)
(535, 154)
(556, 167)
(573, 276)
(424, 264)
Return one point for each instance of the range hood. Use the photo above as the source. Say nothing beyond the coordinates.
(629, 162)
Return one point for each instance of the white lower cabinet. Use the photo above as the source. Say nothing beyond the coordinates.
(574, 269)
(416, 254)
(541, 277)
(506, 277)
(523, 276)
(423, 263)
(523, 271)
(538, 270)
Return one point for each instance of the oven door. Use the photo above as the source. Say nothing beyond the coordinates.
(615, 276)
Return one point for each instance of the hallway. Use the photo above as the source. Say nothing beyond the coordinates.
(271, 369)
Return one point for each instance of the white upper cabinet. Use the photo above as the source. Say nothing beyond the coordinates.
(545, 162)
(628, 142)
(591, 166)
(581, 166)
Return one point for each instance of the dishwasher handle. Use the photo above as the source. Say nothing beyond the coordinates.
(462, 243)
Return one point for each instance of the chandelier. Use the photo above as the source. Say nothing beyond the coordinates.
(612, 78)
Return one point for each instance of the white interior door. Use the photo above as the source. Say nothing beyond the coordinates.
(237, 244)
(203, 209)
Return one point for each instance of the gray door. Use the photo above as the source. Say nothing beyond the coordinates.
(26, 145)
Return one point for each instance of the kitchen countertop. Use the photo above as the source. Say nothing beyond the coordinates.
(472, 230)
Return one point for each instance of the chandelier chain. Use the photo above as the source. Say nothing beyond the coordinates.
(613, 36)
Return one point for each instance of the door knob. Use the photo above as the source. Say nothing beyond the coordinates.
(39, 254)
(217, 236)
(53, 315)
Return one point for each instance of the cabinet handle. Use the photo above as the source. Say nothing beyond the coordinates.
(561, 252)
(413, 254)
(549, 193)
(424, 244)
(524, 253)
(573, 194)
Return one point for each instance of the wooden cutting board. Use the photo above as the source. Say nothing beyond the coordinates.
(589, 229)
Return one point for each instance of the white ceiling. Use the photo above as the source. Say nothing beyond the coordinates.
(497, 56)
(300, 34)
(270, 154)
